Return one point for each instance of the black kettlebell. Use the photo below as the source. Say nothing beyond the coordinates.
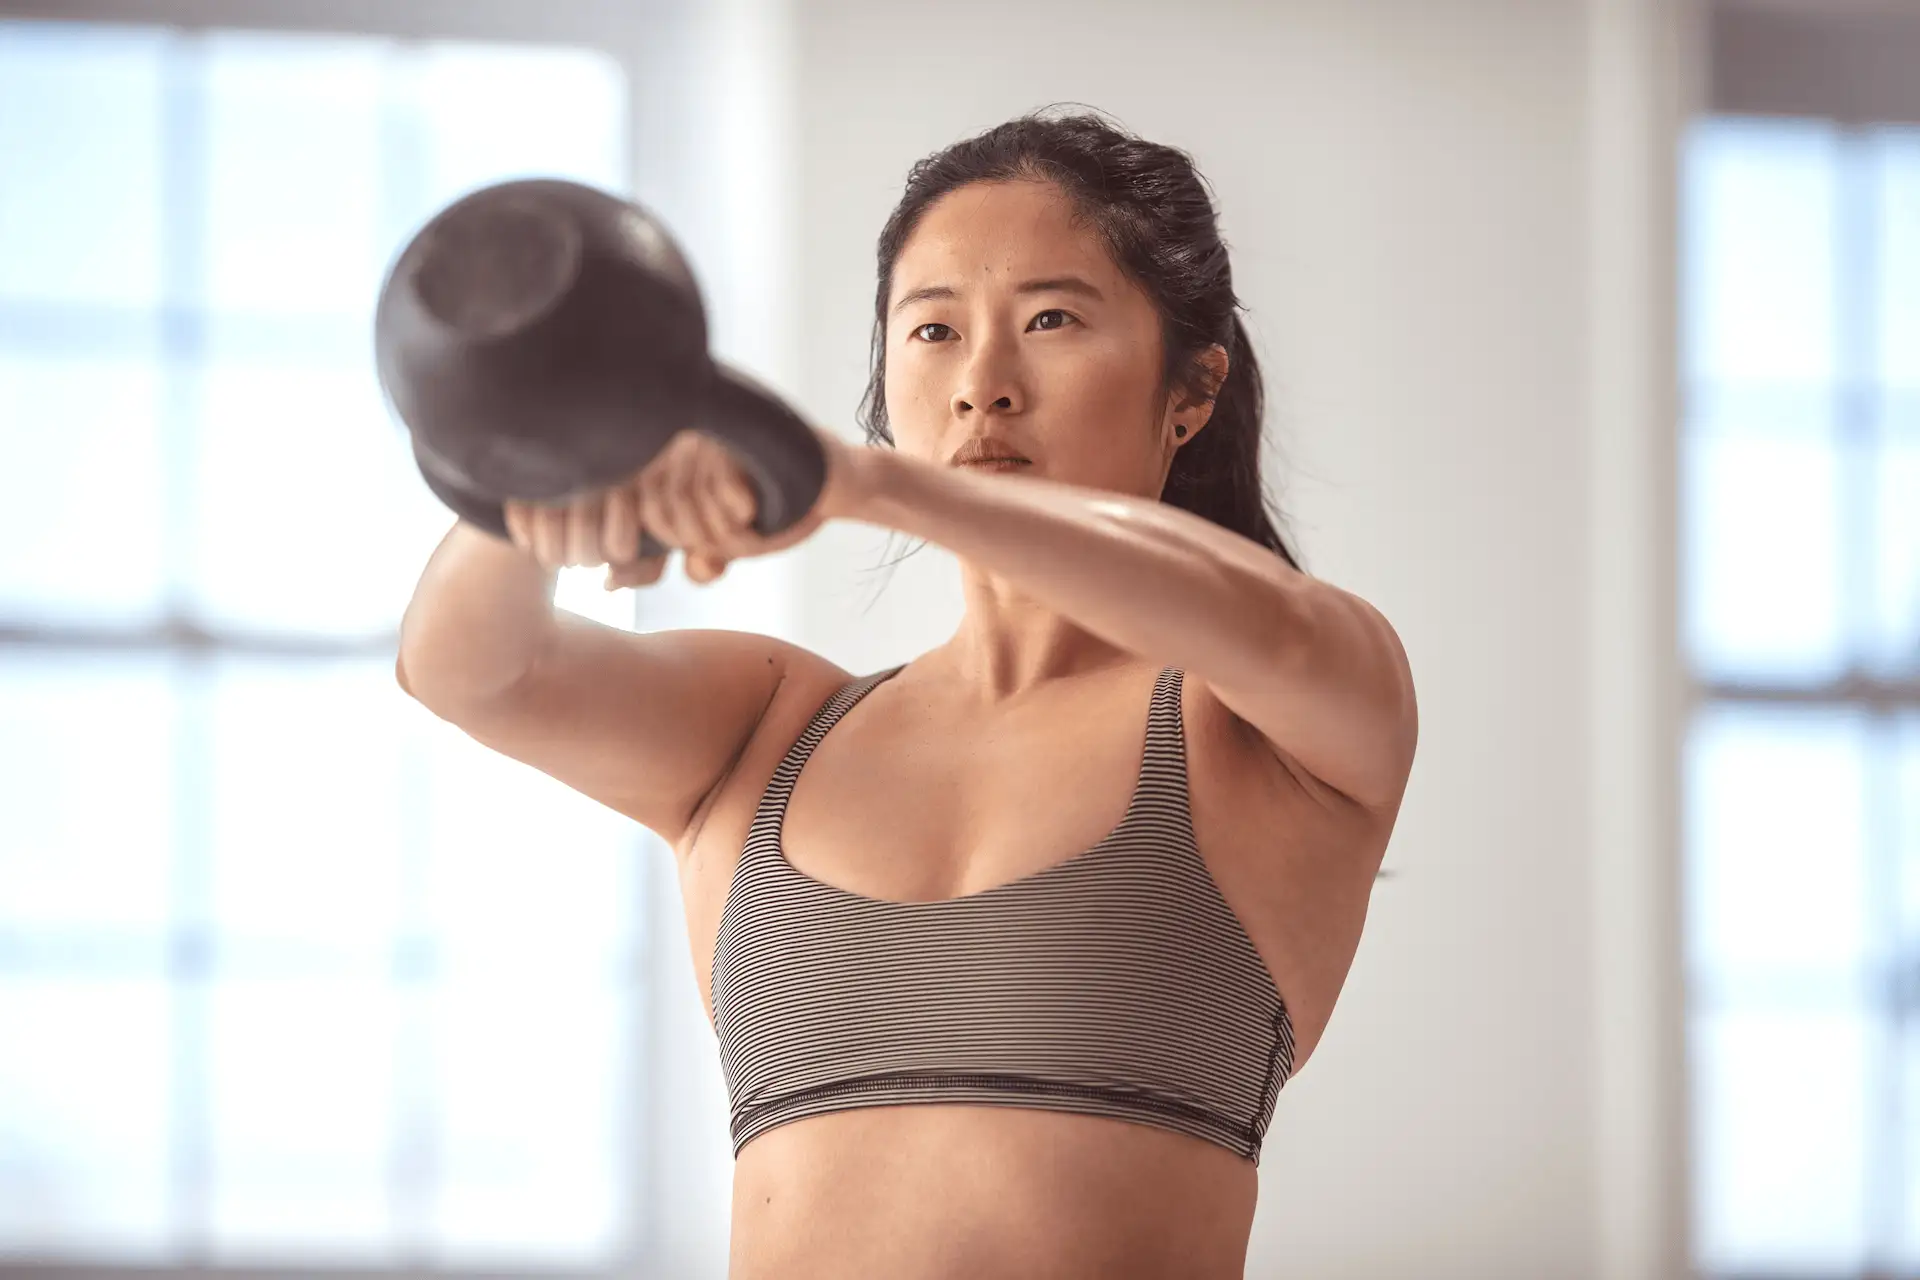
(541, 339)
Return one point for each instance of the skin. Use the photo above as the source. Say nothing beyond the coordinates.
(1068, 379)
(1016, 743)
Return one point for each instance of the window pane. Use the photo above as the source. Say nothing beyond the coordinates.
(1759, 224)
(88, 791)
(81, 112)
(310, 799)
(1898, 215)
(301, 1095)
(293, 214)
(1763, 553)
(1777, 865)
(1780, 1129)
(1906, 843)
(312, 513)
(1906, 855)
(1906, 1254)
(532, 1083)
(1803, 411)
(326, 813)
(84, 1122)
(1894, 645)
(493, 112)
(511, 851)
(83, 512)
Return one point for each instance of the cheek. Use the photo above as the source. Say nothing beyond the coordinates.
(1106, 380)
(908, 385)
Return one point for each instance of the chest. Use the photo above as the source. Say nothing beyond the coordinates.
(912, 801)
(922, 804)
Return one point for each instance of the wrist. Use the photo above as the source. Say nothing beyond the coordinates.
(857, 476)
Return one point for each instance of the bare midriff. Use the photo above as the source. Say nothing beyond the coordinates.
(941, 1192)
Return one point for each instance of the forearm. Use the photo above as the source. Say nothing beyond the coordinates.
(1153, 580)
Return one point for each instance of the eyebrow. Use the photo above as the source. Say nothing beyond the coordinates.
(1057, 284)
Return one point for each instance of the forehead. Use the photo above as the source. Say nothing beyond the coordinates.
(987, 232)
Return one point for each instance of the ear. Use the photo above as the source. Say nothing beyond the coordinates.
(1192, 407)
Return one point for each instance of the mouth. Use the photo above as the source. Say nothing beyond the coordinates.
(989, 453)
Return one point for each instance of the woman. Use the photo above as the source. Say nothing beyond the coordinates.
(1002, 985)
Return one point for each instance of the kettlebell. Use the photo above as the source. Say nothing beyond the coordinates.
(541, 339)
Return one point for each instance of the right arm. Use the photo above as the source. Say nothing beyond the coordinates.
(646, 724)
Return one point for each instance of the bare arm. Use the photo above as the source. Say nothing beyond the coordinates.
(645, 724)
(1317, 672)
(480, 613)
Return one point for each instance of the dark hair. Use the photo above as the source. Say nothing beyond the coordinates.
(1155, 213)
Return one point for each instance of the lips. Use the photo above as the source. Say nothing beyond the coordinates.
(987, 451)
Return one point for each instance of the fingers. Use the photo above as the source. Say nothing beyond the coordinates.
(620, 535)
(551, 537)
(620, 530)
(715, 532)
(585, 525)
(602, 528)
(635, 573)
(692, 496)
(729, 506)
(704, 567)
(516, 515)
(667, 502)
(675, 508)
(540, 531)
(687, 500)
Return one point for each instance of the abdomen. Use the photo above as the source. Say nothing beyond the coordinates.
(928, 1192)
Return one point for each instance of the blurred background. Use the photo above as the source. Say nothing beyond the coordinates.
(1593, 339)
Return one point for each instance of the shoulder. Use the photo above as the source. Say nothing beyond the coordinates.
(805, 682)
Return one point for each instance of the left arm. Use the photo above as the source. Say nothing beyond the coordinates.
(1316, 671)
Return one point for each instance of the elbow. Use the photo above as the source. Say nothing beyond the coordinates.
(1358, 651)
(1397, 707)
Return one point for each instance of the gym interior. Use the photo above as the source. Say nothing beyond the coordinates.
(1591, 333)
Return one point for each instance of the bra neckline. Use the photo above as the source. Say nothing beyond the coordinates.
(1127, 819)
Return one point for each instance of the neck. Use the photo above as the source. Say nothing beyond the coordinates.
(1006, 644)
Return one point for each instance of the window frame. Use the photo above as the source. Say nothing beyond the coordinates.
(651, 40)
(1842, 67)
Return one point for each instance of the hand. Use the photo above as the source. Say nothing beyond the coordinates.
(693, 495)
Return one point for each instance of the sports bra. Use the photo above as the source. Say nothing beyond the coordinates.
(1117, 983)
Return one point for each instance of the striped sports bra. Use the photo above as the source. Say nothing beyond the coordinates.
(1117, 983)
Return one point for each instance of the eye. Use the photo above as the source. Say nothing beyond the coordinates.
(1054, 311)
(923, 328)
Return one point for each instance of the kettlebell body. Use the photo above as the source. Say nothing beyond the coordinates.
(538, 337)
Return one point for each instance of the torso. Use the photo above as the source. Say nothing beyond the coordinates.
(968, 799)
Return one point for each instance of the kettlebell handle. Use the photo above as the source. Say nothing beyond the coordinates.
(773, 445)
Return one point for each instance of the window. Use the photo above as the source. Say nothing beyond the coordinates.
(288, 968)
(1801, 499)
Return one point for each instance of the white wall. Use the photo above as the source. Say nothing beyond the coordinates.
(1454, 268)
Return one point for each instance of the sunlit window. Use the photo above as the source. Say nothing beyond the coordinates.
(1801, 507)
(288, 968)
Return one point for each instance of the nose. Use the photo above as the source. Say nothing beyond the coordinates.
(990, 383)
